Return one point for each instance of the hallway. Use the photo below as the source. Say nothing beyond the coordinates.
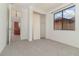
(42, 47)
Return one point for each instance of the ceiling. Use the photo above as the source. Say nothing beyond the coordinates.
(43, 6)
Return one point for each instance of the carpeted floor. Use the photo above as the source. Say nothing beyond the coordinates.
(42, 47)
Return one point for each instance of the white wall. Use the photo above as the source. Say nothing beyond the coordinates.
(42, 25)
(10, 22)
(64, 36)
(30, 22)
(3, 25)
(25, 24)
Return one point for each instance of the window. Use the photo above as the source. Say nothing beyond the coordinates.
(58, 20)
(65, 19)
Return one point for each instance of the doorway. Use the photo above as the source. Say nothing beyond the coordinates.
(14, 24)
(16, 28)
(38, 26)
(15, 31)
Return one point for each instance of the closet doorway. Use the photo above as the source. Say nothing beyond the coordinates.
(38, 26)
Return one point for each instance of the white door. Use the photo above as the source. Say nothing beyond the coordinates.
(36, 26)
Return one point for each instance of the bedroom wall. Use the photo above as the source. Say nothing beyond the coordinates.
(3, 25)
(64, 36)
(25, 24)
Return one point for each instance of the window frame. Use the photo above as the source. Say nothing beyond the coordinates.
(62, 19)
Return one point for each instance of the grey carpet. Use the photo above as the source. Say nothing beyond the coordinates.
(42, 47)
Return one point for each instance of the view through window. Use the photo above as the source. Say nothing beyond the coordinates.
(65, 19)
